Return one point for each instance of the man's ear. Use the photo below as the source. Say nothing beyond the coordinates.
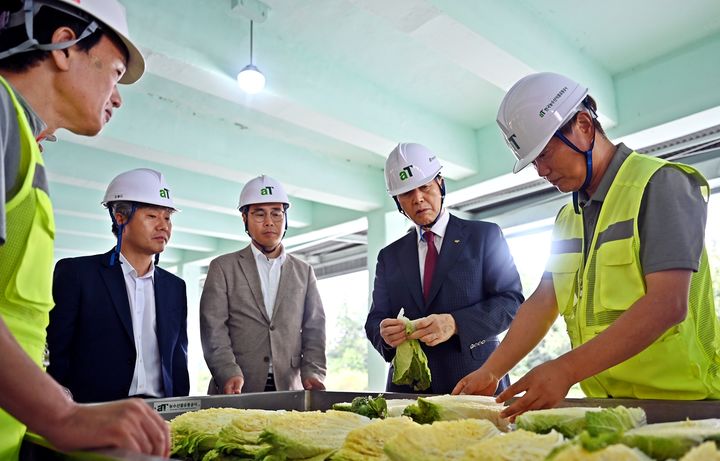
(61, 58)
(119, 218)
(584, 123)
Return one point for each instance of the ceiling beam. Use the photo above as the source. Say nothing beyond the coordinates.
(334, 102)
(93, 162)
(164, 136)
(669, 88)
(377, 135)
(514, 34)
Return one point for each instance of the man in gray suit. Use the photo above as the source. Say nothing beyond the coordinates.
(262, 322)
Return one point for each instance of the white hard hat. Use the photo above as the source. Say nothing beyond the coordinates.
(262, 189)
(408, 166)
(142, 185)
(534, 109)
(110, 15)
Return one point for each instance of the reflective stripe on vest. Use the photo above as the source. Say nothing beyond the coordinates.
(683, 362)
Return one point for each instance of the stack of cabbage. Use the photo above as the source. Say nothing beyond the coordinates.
(427, 410)
(462, 428)
(621, 434)
(261, 434)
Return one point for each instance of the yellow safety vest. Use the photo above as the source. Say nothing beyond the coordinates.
(26, 265)
(683, 363)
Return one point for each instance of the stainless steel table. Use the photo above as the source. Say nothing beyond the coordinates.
(35, 449)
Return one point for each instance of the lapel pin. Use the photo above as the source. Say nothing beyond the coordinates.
(456, 241)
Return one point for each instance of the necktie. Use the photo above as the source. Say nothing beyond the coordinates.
(430, 260)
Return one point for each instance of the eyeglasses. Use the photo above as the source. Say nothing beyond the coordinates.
(260, 215)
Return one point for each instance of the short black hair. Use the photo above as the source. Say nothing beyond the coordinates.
(46, 22)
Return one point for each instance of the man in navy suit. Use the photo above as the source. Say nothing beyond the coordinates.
(454, 278)
(119, 326)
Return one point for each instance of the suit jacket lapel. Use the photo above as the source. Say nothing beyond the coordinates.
(410, 267)
(249, 268)
(452, 246)
(115, 283)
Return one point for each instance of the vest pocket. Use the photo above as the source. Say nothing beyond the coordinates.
(620, 279)
(32, 281)
(564, 268)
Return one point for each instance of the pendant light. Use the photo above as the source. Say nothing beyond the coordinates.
(250, 79)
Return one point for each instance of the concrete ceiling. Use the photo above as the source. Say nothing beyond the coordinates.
(347, 80)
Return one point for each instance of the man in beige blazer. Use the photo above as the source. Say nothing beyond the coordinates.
(262, 322)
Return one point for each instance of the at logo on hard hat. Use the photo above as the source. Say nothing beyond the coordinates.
(267, 190)
(406, 173)
(165, 193)
(552, 102)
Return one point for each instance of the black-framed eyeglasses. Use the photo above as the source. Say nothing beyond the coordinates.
(275, 215)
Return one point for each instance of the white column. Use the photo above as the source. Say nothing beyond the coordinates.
(196, 363)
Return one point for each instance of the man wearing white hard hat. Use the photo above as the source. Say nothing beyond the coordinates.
(454, 278)
(119, 325)
(628, 269)
(262, 322)
(60, 62)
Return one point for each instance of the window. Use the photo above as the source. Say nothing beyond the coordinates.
(345, 299)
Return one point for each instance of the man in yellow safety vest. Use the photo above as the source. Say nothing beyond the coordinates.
(627, 270)
(60, 62)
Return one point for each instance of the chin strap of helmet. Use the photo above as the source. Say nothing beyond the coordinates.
(27, 15)
(586, 153)
(120, 227)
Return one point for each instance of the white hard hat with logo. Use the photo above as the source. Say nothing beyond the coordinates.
(410, 165)
(105, 14)
(141, 185)
(263, 189)
(534, 109)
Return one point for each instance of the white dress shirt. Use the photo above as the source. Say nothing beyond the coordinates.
(269, 271)
(147, 378)
(439, 230)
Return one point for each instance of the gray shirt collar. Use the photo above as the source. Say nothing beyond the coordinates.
(621, 153)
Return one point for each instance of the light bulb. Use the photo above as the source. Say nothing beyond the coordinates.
(251, 80)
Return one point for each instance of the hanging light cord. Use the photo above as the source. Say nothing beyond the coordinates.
(251, 41)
